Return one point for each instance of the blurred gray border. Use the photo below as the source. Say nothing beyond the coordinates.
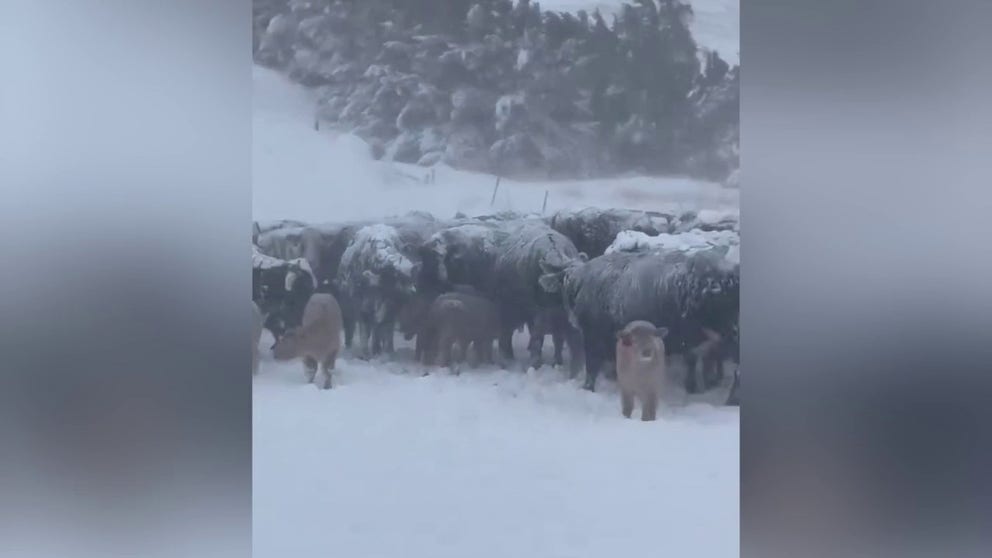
(866, 136)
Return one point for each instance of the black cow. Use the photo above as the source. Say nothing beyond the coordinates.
(695, 296)
(377, 272)
(463, 254)
(529, 251)
(281, 290)
(593, 229)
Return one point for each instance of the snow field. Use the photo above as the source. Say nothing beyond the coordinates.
(489, 463)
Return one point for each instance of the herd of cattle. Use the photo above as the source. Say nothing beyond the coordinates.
(466, 283)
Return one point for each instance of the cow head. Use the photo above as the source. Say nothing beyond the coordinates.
(553, 275)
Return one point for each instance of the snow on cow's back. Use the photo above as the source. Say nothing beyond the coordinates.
(380, 244)
(470, 234)
(263, 261)
(690, 242)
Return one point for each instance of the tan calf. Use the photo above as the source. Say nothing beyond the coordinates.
(317, 340)
(641, 367)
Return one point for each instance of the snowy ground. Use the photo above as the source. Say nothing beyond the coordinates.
(492, 463)
(716, 25)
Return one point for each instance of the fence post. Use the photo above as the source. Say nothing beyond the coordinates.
(495, 188)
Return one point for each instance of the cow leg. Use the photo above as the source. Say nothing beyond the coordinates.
(594, 361)
(690, 372)
(719, 373)
(364, 332)
(328, 366)
(506, 343)
(428, 340)
(418, 348)
(445, 341)
(309, 368)
(558, 338)
(575, 352)
(349, 330)
(536, 347)
(459, 357)
(379, 338)
(487, 351)
(649, 406)
(734, 397)
(388, 329)
(626, 403)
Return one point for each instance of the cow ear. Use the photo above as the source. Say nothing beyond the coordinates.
(550, 282)
(661, 332)
(583, 257)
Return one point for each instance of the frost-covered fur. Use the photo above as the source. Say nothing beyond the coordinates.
(317, 340)
(640, 367)
(256, 335)
(280, 288)
(593, 229)
(690, 242)
(462, 254)
(530, 252)
(683, 292)
(377, 272)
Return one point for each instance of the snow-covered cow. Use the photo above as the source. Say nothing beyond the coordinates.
(377, 272)
(529, 251)
(462, 254)
(693, 295)
(281, 289)
(727, 219)
(593, 229)
(283, 239)
(697, 240)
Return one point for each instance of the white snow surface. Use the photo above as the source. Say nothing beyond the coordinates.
(491, 463)
(716, 25)
(488, 464)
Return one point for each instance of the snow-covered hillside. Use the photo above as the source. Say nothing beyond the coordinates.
(492, 463)
(716, 26)
(299, 173)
